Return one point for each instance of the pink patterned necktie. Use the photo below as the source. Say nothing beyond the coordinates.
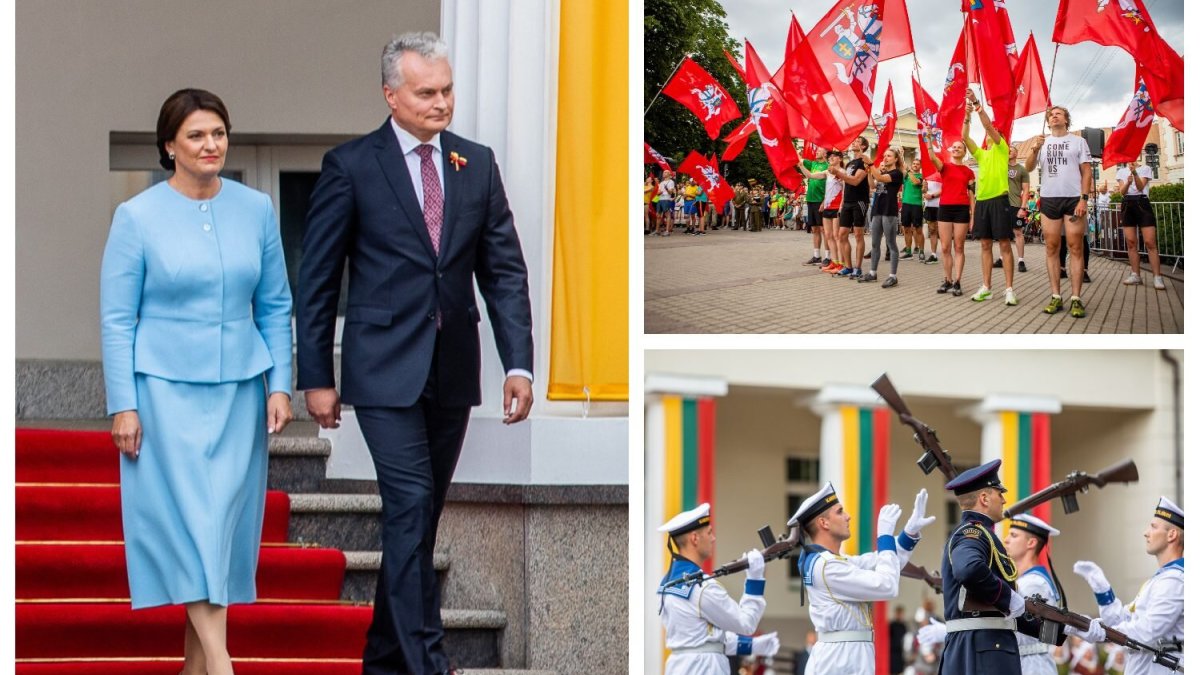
(433, 195)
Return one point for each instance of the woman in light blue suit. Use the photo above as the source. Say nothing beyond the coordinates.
(196, 326)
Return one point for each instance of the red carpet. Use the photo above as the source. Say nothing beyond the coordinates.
(73, 615)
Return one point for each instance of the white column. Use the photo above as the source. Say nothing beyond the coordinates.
(987, 414)
(828, 404)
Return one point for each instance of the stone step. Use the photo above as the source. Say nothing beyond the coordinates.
(362, 571)
(473, 637)
(297, 463)
(347, 522)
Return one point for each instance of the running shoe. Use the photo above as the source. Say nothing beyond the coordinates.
(1159, 284)
(845, 272)
(907, 255)
(946, 286)
(889, 282)
(867, 278)
(1021, 266)
(982, 294)
(813, 260)
(957, 290)
(867, 255)
(931, 259)
(998, 264)
(825, 261)
(1010, 298)
(1055, 305)
(829, 267)
(1132, 280)
(1077, 308)
(921, 257)
(1086, 278)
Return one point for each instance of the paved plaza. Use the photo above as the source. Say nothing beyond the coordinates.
(757, 282)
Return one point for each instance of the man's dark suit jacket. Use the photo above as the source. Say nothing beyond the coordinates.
(364, 207)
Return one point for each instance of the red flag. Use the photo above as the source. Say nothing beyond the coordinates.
(767, 111)
(889, 124)
(807, 82)
(651, 156)
(1006, 29)
(737, 67)
(987, 39)
(708, 177)
(954, 93)
(700, 93)
(1127, 138)
(1127, 24)
(927, 118)
(809, 151)
(1032, 95)
(846, 45)
(737, 140)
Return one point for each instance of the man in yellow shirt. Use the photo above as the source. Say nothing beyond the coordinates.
(993, 220)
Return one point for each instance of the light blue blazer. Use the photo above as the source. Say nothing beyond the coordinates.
(194, 291)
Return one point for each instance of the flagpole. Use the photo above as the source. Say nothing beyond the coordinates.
(664, 84)
(1050, 87)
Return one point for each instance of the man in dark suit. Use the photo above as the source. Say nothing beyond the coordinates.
(419, 213)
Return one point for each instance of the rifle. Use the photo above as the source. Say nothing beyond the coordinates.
(925, 436)
(1053, 619)
(921, 574)
(773, 550)
(1075, 482)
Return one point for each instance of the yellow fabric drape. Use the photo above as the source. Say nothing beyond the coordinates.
(589, 322)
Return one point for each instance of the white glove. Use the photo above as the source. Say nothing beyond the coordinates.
(1016, 605)
(933, 634)
(755, 571)
(1093, 575)
(888, 517)
(765, 645)
(1094, 633)
(918, 521)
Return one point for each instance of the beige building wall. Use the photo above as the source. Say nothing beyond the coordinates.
(86, 69)
(1116, 404)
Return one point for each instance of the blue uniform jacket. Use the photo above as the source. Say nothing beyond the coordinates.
(194, 291)
(968, 563)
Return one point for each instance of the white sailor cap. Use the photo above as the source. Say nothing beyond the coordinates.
(1168, 511)
(687, 521)
(814, 505)
(1035, 526)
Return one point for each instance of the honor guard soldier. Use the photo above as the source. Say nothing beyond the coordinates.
(1027, 536)
(1155, 617)
(842, 587)
(976, 567)
(703, 624)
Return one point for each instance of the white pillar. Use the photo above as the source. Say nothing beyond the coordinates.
(828, 404)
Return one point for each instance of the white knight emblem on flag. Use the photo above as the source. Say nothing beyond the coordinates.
(711, 99)
(950, 75)
(858, 43)
(929, 123)
(1140, 112)
(711, 177)
(760, 99)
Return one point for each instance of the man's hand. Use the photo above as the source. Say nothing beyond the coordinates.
(517, 389)
(886, 523)
(765, 645)
(1016, 605)
(1081, 208)
(1038, 142)
(918, 520)
(279, 412)
(1094, 633)
(1093, 575)
(324, 406)
(755, 565)
(127, 433)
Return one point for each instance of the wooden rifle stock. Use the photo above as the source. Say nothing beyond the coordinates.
(925, 436)
(1036, 605)
(1075, 482)
(921, 574)
(773, 552)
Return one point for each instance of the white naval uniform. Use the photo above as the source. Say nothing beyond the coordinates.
(840, 592)
(705, 624)
(1036, 656)
(1156, 613)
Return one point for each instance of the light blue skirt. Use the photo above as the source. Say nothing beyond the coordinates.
(192, 503)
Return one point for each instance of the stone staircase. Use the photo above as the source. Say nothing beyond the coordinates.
(345, 515)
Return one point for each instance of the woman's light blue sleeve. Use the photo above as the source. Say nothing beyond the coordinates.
(122, 274)
(273, 306)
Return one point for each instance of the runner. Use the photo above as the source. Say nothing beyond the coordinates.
(1018, 195)
(993, 219)
(910, 214)
(813, 196)
(884, 212)
(1133, 182)
(932, 193)
(1066, 179)
(829, 207)
(853, 215)
(954, 211)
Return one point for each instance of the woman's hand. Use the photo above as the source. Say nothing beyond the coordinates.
(279, 412)
(127, 433)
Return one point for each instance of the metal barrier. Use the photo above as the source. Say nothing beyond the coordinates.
(1108, 237)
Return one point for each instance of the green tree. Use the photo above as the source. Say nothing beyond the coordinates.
(674, 29)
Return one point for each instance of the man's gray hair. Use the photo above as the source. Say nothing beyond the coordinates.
(427, 45)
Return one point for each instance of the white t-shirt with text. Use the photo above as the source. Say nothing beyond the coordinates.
(1059, 160)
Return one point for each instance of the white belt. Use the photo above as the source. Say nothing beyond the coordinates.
(706, 648)
(981, 623)
(1038, 648)
(847, 636)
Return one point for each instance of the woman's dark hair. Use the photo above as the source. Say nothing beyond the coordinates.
(176, 109)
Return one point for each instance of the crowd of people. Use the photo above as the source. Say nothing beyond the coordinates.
(846, 197)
